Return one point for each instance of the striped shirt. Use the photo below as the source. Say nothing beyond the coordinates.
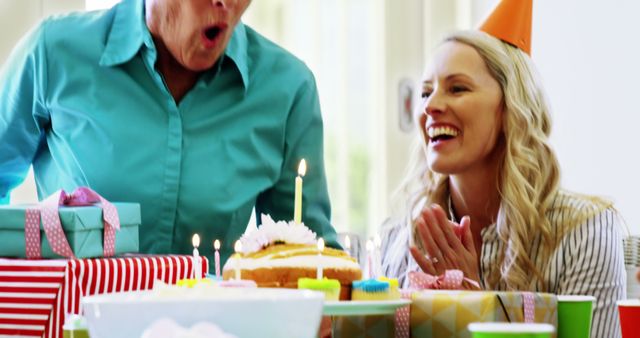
(588, 261)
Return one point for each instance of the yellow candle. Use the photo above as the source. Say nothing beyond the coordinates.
(238, 249)
(297, 204)
(320, 249)
(197, 267)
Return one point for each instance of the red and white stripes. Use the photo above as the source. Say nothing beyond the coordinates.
(35, 295)
(28, 291)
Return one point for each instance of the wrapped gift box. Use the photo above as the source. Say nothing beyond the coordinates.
(83, 227)
(446, 314)
(35, 295)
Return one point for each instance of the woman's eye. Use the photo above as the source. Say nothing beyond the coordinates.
(426, 94)
(458, 89)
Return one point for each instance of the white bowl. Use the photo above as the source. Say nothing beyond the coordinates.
(244, 312)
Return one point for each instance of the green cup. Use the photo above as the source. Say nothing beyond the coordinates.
(511, 330)
(574, 316)
(75, 334)
(75, 326)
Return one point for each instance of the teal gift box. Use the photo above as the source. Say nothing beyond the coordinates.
(83, 226)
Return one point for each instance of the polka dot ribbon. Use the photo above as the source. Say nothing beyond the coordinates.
(529, 305)
(450, 280)
(403, 316)
(48, 210)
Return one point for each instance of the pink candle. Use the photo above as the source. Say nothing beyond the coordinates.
(369, 246)
(377, 263)
(216, 246)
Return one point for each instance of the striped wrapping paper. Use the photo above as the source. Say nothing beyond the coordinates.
(35, 295)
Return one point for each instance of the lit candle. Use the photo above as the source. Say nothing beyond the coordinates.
(216, 246)
(369, 247)
(297, 206)
(238, 248)
(320, 249)
(377, 243)
(197, 272)
(347, 244)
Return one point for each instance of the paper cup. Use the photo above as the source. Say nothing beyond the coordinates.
(574, 316)
(629, 310)
(508, 330)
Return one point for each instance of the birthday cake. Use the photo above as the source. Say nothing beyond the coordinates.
(277, 254)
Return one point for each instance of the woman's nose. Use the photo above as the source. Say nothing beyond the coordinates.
(434, 104)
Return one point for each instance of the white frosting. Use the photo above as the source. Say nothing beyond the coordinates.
(301, 261)
(271, 232)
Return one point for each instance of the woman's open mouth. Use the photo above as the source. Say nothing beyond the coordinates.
(442, 133)
(211, 35)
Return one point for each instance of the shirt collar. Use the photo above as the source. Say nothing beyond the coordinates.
(129, 32)
(237, 52)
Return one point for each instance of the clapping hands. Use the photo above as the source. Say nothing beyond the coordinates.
(449, 245)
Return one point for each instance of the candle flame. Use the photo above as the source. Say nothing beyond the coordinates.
(320, 245)
(377, 241)
(347, 242)
(195, 240)
(369, 245)
(216, 244)
(302, 168)
(237, 247)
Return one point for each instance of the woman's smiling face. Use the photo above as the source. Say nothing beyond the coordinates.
(462, 111)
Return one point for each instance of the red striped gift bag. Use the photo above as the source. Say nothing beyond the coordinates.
(35, 295)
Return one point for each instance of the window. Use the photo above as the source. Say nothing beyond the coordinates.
(336, 39)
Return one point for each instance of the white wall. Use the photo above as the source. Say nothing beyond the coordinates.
(16, 18)
(588, 54)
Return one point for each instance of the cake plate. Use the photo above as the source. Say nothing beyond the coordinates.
(363, 308)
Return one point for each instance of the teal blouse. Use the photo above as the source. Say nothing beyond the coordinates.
(81, 100)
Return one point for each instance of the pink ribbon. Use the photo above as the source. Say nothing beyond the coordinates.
(450, 280)
(48, 210)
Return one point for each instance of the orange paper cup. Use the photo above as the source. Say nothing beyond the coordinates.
(629, 310)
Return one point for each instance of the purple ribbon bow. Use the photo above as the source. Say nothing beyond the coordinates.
(48, 210)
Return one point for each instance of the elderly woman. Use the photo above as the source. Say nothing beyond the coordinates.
(174, 104)
(484, 195)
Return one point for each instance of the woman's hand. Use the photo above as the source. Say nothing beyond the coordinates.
(449, 245)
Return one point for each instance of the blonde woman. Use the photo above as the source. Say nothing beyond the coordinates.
(484, 196)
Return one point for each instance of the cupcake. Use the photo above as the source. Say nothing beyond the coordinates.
(394, 291)
(371, 289)
(330, 287)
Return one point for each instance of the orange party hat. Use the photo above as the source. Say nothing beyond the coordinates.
(510, 22)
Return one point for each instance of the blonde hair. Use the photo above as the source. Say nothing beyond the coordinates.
(528, 175)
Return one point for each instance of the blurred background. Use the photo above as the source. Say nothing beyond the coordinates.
(368, 57)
